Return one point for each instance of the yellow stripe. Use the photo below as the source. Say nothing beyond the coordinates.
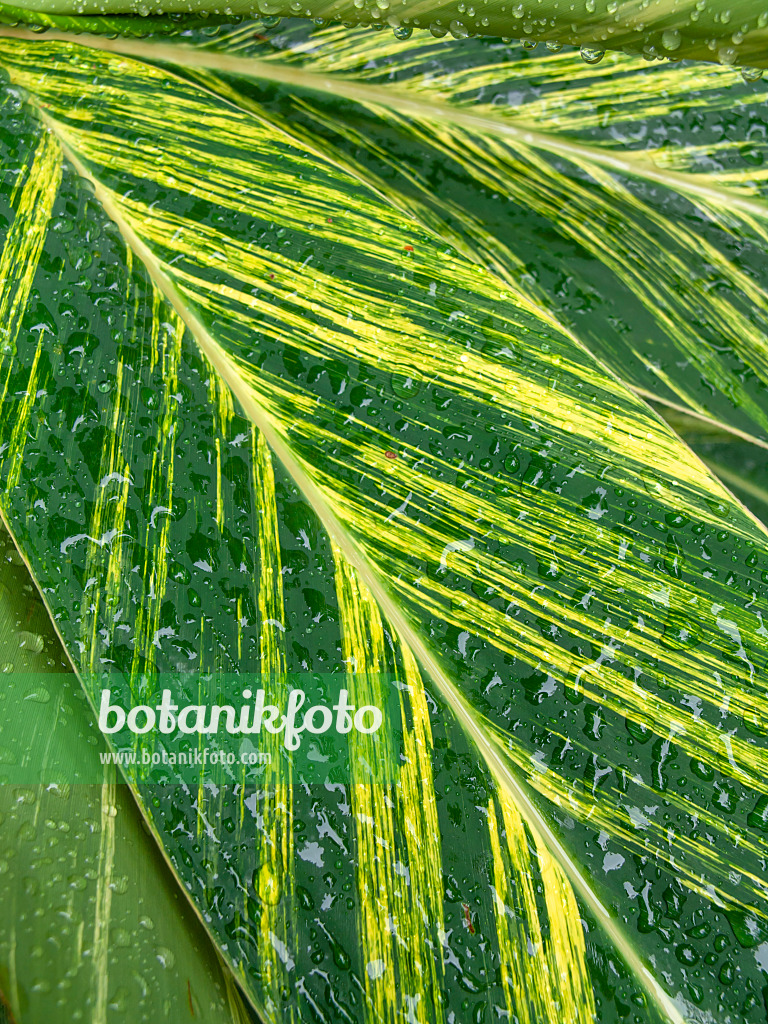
(399, 925)
(33, 199)
(544, 978)
(274, 880)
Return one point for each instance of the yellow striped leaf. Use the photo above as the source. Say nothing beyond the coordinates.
(271, 407)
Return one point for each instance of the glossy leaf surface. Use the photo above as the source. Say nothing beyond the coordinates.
(732, 34)
(264, 414)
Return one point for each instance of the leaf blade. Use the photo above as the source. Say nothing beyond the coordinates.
(301, 429)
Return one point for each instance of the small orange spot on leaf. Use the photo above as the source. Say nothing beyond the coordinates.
(468, 918)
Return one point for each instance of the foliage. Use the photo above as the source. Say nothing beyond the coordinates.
(358, 386)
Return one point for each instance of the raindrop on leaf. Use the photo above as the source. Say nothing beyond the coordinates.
(590, 56)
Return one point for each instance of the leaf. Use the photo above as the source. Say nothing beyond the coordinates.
(690, 30)
(507, 149)
(130, 24)
(290, 425)
(741, 466)
(527, 157)
(90, 913)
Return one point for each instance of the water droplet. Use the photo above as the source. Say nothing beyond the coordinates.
(31, 642)
(745, 926)
(751, 74)
(403, 32)
(120, 937)
(120, 1000)
(165, 956)
(553, 46)
(590, 56)
(671, 39)
(530, 44)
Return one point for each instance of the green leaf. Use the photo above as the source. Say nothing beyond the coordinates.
(92, 918)
(711, 32)
(128, 25)
(646, 184)
(743, 467)
(266, 412)
(535, 150)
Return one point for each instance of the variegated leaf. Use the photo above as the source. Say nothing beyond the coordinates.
(264, 413)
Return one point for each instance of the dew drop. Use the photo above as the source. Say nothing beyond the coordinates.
(165, 956)
(590, 56)
(38, 695)
(671, 39)
(751, 74)
(31, 642)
